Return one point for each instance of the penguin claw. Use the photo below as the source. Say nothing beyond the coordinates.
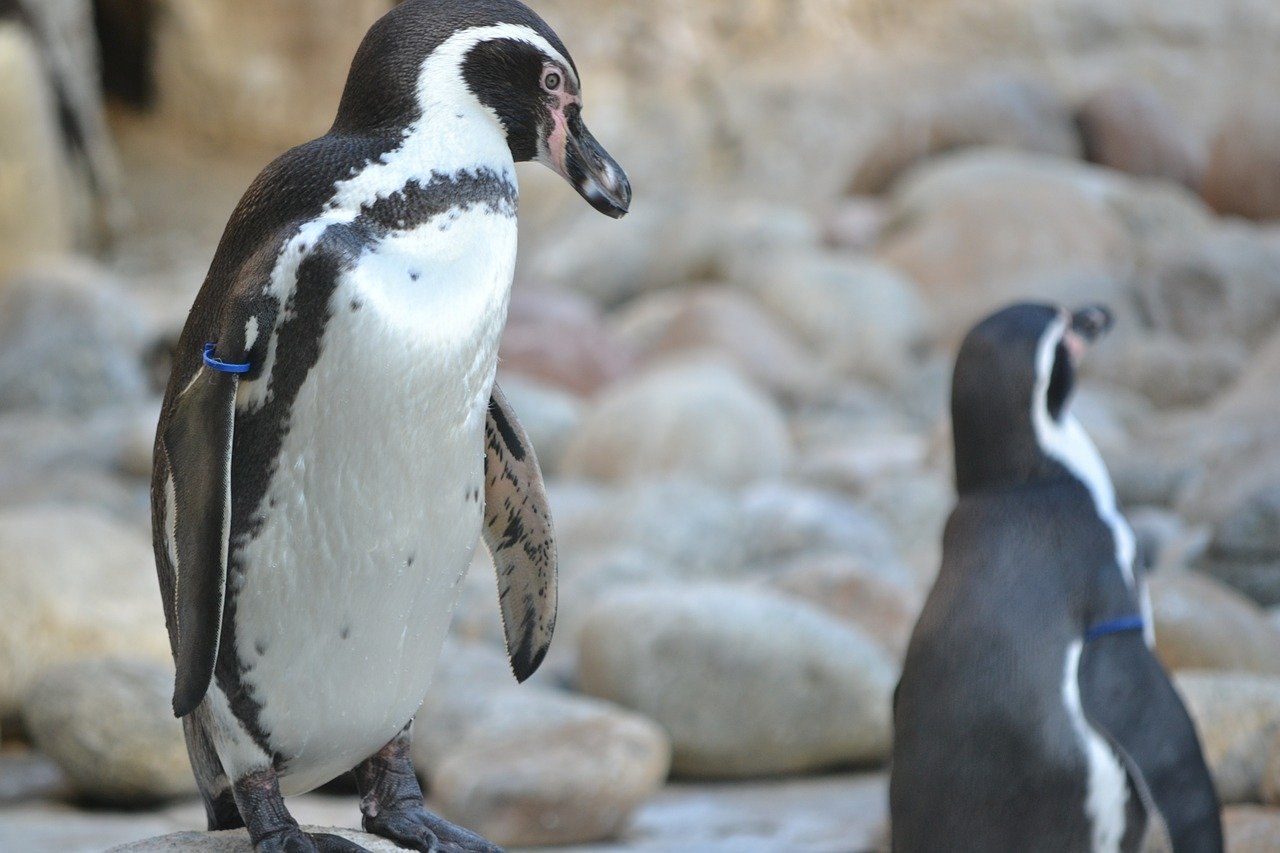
(418, 829)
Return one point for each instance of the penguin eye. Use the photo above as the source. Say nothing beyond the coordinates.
(1060, 381)
(551, 80)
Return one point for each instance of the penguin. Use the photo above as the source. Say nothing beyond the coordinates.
(331, 444)
(1031, 713)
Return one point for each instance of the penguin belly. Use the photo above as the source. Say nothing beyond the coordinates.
(376, 501)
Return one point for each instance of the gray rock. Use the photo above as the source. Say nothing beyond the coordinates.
(863, 318)
(527, 765)
(1202, 624)
(1245, 550)
(71, 339)
(698, 420)
(1173, 373)
(560, 339)
(78, 585)
(109, 726)
(1250, 829)
(1131, 127)
(1271, 774)
(237, 841)
(681, 656)
(1237, 715)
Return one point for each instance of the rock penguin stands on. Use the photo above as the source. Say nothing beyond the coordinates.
(332, 443)
(1032, 713)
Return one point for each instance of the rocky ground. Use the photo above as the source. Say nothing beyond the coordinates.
(738, 394)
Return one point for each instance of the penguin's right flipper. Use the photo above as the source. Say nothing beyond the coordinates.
(1129, 698)
(517, 531)
(197, 447)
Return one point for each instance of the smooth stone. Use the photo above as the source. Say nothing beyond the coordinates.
(1203, 624)
(862, 317)
(71, 339)
(237, 841)
(528, 765)
(681, 656)
(1271, 774)
(559, 338)
(1131, 127)
(699, 420)
(884, 609)
(1243, 176)
(1251, 829)
(1237, 715)
(110, 727)
(78, 585)
(1173, 373)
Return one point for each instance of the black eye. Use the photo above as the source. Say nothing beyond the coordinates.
(551, 81)
(1060, 381)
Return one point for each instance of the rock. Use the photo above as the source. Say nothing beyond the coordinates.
(1237, 715)
(245, 75)
(696, 420)
(78, 585)
(1271, 774)
(782, 521)
(733, 324)
(71, 339)
(1131, 127)
(681, 655)
(974, 228)
(1243, 176)
(109, 726)
(1202, 624)
(1223, 287)
(1245, 550)
(884, 609)
(862, 317)
(855, 223)
(237, 841)
(37, 205)
(549, 417)
(529, 766)
(560, 340)
(1251, 829)
(989, 109)
(1172, 373)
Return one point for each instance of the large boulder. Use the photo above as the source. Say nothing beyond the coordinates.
(1237, 715)
(1243, 175)
(682, 656)
(699, 420)
(110, 727)
(1202, 624)
(1131, 127)
(78, 585)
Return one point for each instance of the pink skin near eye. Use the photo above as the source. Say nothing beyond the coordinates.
(559, 136)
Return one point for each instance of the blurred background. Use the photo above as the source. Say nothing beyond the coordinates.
(738, 392)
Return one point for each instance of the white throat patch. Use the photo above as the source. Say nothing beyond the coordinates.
(1066, 442)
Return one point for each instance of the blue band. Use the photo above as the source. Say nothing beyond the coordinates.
(219, 364)
(1119, 625)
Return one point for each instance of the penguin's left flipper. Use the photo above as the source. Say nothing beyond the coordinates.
(517, 531)
(197, 446)
(1127, 697)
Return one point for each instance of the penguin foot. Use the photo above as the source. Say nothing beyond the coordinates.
(294, 840)
(391, 802)
(418, 829)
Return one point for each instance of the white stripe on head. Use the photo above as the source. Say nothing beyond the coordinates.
(1065, 441)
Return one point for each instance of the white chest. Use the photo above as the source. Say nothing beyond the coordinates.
(376, 503)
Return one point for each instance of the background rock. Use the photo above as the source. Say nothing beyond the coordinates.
(110, 727)
(237, 841)
(78, 585)
(1244, 162)
(1250, 829)
(1131, 127)
(1202, 624)
(681, 655)
(1237, 716)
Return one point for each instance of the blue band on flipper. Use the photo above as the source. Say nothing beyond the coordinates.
(219, 364)
(1119, 625)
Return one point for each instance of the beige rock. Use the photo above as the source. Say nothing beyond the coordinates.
(78, 585)
(1243, 176)
(1202, 624)
(1271, 774)
(1131, 127)
(682, 656)
(1237, 716)
(1251, 829)
(699, 420)
(110, 727)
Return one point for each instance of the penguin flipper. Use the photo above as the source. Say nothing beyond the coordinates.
(517, 531)
(1127, 696)
(197, 446)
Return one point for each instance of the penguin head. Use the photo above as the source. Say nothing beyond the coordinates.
(444, 59)
(1011, 393)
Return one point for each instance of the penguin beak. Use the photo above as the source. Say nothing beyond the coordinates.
(588, 167)
(1088, 324)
